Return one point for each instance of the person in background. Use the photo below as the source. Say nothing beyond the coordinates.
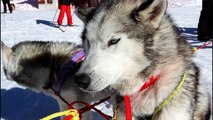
(205, 25)
(93, 3)
(7, 3)
(86, 3)
(64, 6)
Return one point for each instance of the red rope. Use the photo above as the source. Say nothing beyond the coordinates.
(151, 81)
(128, 108)
(127, 101)
(97, 103)
(204, 45)
(89, 107)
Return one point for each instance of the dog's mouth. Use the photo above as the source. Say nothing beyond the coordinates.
(89, 90)
(87, 84)
(96, 90)
(97, 87)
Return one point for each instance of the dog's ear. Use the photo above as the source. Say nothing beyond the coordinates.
(83, 13)
(150, 11)
(6, 51)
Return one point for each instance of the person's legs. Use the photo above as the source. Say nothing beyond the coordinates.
(202, 25)
(68, 13)
(5, 7)
(61, 14)
(210, 19)
(9, 6)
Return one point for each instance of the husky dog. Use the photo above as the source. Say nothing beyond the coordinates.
(127, 42)
(31, 64)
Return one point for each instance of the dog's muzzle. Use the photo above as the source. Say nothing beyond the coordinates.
(82, 81)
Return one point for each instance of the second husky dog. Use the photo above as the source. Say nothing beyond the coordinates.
(35, 64)
(127, 42)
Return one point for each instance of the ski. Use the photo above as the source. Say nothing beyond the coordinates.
(73, 26)
(57, 26)
(60, 28)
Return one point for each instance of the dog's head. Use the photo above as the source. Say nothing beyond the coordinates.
(118, 41)
(19, 65)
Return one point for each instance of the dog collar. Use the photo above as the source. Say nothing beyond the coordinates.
(127, 101)
(162, 104)
(78, 57)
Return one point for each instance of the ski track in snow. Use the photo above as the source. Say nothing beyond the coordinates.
(20, 103)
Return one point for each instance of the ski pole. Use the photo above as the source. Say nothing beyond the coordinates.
(55, 15)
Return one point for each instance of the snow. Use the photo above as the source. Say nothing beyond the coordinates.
(181, 3)
(19, 103)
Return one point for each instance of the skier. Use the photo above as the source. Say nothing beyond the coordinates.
(205, 26)
(7, 3)
(64, 6)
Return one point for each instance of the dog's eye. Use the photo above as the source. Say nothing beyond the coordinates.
(113, 41)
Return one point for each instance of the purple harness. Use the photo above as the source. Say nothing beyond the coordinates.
(71, 64)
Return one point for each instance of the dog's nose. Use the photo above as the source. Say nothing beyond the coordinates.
(82, 81)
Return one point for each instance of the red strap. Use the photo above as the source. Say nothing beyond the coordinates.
(151, 81)
(81, 59)
(89, 107)
(127, 101)
(204, 45)
(128, 108)
(68, 117)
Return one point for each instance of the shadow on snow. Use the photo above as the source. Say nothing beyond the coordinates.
(25, 104)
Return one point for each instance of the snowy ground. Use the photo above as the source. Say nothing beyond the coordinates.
(19, 103)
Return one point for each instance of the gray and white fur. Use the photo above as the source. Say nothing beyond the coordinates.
(127, 42)
(30, 64)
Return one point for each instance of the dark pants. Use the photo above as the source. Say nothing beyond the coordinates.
(205, 26)
(7, 3)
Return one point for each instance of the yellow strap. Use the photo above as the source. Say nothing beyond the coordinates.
(166, 101)
(71, 112)
(194, 50)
